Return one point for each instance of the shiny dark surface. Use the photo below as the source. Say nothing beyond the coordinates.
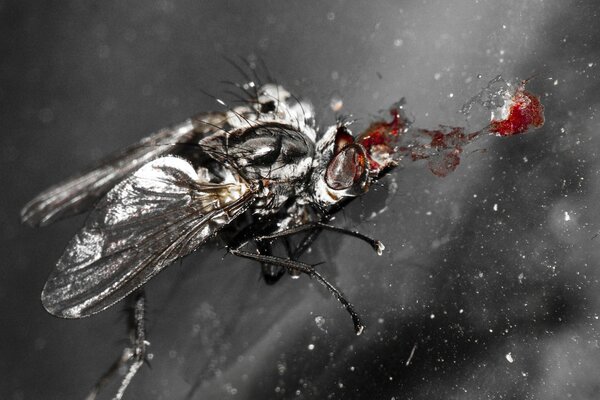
(488, 286)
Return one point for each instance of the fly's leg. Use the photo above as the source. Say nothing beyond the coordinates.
(132, 358)
(308, 270)
(305, 243)
(271, 273)
(375, 244)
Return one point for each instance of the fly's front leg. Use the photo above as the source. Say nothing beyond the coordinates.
(311, 226)
(308, 270)
(133, 357)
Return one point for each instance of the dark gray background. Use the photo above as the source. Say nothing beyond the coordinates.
(464, 283)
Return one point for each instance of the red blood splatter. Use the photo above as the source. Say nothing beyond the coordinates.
(525, 111)
(444, 149)
(442, 166)
(387, 143)
(379, 140)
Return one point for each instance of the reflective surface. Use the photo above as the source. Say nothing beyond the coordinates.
(488, 286)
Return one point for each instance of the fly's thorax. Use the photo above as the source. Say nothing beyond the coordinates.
(273, 152)
(340, 168)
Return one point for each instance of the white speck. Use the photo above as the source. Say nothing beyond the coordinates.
(412, 353)
(567, 216)
(555, 82)
(432, 316)
(320, 321)
(461, 311)
(521, 277)
(437, 76)
(509, 358)
(590, 64)
(451, 95)
(311, 347)
(503, 26)
(398, 42)
(495, 208)
(428, 213)
(381, 320)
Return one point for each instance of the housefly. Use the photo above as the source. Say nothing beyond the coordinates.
(251, 174)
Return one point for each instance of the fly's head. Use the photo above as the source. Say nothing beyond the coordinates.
(345, 166)
(340, 168)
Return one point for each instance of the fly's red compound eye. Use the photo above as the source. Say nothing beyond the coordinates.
(348, 170)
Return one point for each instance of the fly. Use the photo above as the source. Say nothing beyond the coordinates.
(252, 174)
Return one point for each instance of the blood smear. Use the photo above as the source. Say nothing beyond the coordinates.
(514, 111)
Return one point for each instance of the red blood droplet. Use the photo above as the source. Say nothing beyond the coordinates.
(525, 111)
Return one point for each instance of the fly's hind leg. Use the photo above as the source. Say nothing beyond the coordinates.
(133, 357)
(308, 270)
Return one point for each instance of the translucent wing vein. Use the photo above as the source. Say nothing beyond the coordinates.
(160, 213)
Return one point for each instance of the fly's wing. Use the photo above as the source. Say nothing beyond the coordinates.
(80, 192)
(160, 213)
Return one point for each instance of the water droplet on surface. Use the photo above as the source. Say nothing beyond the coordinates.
(379, 248)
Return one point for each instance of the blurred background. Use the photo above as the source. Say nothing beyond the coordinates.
(488, 287)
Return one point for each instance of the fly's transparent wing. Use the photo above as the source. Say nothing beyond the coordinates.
(160, 213)
(80, 192)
